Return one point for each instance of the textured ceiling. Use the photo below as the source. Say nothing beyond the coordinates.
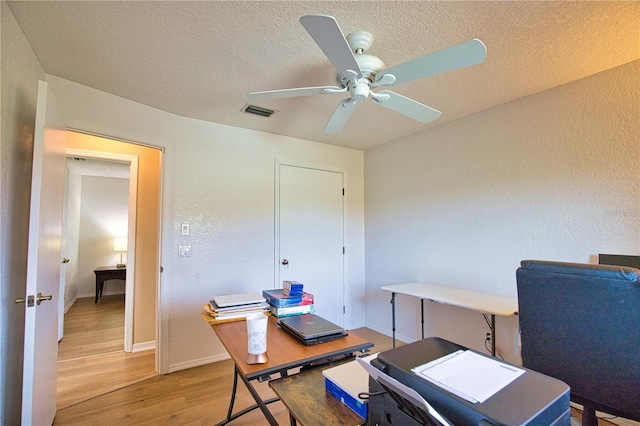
(200, 58)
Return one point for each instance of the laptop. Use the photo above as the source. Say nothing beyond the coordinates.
(311, 329)
(238, 299)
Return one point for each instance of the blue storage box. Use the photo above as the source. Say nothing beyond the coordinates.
(345, 382)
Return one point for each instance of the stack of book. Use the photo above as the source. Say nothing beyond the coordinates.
(283, 305)
(235, 307)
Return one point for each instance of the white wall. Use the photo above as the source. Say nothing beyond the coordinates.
(20, 71)
(554, 176)
(220, 180)
(103, 216)
(97, 208)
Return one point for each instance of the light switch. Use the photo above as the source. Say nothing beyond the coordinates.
(185, 229)
(184, 251)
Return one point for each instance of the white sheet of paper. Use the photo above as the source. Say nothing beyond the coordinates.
(469, 375)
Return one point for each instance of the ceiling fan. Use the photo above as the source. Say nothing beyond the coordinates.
(358, 72)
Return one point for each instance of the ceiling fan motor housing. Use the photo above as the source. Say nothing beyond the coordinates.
(369, 65)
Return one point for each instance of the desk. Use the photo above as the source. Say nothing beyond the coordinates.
(285, 353)
(309, 403)
(105, 273)
(469, 299)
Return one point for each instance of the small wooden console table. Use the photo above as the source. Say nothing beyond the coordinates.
(469, 299)
(105, 273)
(285, 354)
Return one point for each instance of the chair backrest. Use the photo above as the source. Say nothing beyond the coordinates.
(581, 324)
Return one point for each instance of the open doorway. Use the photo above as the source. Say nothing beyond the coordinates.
(100, 211)
(95, 235)
(136, 358)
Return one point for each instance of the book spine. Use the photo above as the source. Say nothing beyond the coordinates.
(278, 300)
(292, 310)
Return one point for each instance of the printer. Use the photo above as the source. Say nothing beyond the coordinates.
(530, 399)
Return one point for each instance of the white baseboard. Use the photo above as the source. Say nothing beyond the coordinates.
(356, 325)
(144, 346)
(386, 332)
(198, 362)
(104, 293)
(66, 308)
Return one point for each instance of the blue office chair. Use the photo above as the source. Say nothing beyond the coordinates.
(581, 324)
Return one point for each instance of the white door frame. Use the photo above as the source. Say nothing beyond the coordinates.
(131, 231)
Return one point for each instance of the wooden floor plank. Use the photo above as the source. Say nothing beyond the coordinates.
(93, 328)
(91, 357)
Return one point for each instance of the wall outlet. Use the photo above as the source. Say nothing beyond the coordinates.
(184, 251)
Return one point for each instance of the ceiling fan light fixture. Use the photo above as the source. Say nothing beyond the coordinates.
(254, 109)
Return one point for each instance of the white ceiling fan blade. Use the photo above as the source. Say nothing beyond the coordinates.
(461, 55)
(340, 116)
(408, 107)
(292, 93)
(329, 37)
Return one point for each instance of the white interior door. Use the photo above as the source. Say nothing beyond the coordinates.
(43, 264)
(311, 236)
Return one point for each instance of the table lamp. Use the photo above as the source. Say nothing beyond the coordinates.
(120, 244)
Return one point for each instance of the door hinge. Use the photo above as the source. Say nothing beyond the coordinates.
(343, 250)
(344, 309)
(343, 192)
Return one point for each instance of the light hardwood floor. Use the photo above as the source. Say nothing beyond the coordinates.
(122, 389)
(96, 388)
(91, 357)
(93, 328)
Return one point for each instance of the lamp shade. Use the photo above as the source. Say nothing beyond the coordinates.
(120, 244)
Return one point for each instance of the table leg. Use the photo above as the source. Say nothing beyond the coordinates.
(393, 317)
(97, 289)
(260, 403)
(233, 392)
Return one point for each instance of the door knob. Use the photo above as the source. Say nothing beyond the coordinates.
(29, 300)
(40, 298)
(65, 260)
(285, 262)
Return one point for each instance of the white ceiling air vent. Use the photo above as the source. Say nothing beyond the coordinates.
(253, 109)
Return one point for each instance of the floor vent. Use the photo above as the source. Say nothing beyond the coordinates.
(253, 109)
